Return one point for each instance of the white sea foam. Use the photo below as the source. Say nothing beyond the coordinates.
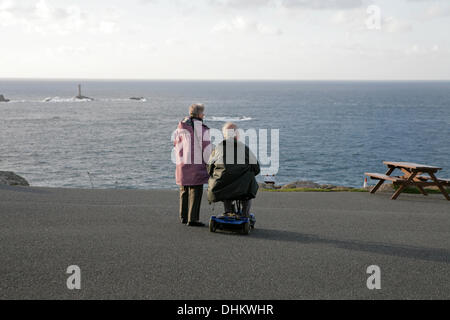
(20, 101)
(73, 99)
(58, 99)
(228, 119)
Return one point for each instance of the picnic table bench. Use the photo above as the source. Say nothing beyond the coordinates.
(416, 174)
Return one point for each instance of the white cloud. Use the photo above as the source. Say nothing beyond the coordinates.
(291, 4)
(64, 51)
(241, 24)
(393, 25)
(322, 38)
(423, 51)
(354, 19)
(437, 11)
(108, 27)
(44, 18)
(243, 4)
(6, 4)
(236, 24)
(173, 42)
(322, 4)
(7, 18)
(43, 10)
(41, 17)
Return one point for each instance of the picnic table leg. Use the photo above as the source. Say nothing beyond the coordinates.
(439, 185)
(422, 190)
(403, 185)
(407, 174)
(378, 185)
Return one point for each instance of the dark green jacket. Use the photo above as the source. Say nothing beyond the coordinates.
(232, 180)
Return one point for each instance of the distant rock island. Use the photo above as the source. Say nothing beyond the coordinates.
(80, 96)
(138, 98)
(3, 99)
(11, 179)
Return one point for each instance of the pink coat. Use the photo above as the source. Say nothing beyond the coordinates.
(192, 152)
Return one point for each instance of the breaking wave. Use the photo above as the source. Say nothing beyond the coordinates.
(228, 119)
(58, 99)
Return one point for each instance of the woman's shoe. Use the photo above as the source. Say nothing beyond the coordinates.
(195, 224)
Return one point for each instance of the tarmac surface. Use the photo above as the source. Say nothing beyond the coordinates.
(129, 244)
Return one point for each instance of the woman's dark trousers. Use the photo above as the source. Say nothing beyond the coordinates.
(190, 200)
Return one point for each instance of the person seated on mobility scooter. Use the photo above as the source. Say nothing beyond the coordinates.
(232, 168)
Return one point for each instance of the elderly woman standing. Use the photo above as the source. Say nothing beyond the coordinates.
(192, 146)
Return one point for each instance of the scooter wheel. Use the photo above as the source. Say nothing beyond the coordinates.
(246, 228)
(212, 225)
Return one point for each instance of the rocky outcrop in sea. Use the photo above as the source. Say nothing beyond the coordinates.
(11, 179)
(3, 99)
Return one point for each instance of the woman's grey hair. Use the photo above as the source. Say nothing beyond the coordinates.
(229, 130)
(196, 109)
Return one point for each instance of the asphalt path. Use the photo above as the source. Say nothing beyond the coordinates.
(129, 244)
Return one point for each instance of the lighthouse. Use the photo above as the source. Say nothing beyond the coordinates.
(80, 96)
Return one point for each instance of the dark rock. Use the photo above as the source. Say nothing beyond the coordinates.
(83, 98)
(11, 179)
(264, 185)
(328, 186)
(385, 187)
(80, 96)
(313, 185)
(301, 184)
(3, 99)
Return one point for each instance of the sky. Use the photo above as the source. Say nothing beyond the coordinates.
(226, 39)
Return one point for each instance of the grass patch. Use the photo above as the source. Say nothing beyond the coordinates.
(414, 190)
(314, 190)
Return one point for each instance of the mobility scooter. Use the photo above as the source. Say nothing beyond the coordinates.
(233, 221)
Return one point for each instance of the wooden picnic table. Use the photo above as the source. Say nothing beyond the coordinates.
(419, 175)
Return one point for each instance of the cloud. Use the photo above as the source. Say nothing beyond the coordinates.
(44, 18)
(437, 11)
(243, 3)
(291, 4)
(7, 18)
(6, 4)
(107, 27)
(173, 42)
(417, 50)
(64, 51)
(356, 20)
(322, 4)
(241, 24)
(424, 0)
(394, 25)
(41, 17)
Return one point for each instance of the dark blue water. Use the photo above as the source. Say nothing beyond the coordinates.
(330, 132)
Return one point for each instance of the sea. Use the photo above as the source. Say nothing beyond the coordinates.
(330, 132)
